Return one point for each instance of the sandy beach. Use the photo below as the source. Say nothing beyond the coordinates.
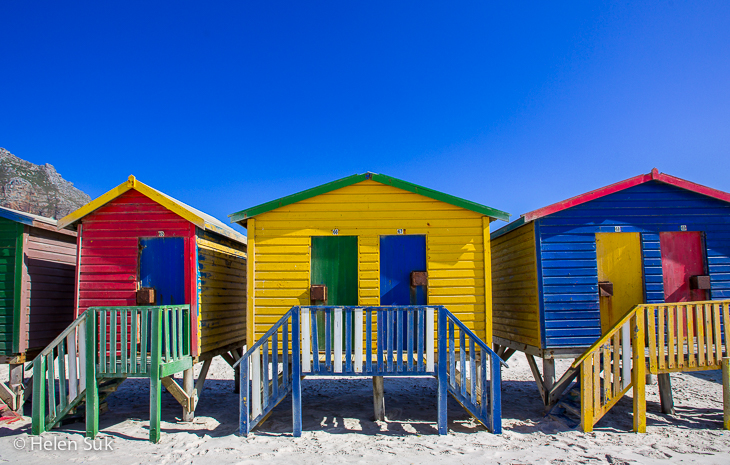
(338, 428)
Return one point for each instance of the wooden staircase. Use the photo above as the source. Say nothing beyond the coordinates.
(371, 342)
(98, 351)
(651, 338)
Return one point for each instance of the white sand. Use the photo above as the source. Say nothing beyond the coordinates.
(338, 428)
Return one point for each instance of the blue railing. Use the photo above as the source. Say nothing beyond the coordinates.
(369, 341)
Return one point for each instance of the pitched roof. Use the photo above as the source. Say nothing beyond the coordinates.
(654, 175)
(200, 219)
(24, 217)
(243, 215)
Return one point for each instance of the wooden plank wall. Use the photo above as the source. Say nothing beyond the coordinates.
(9, 231)
(455, 249)
(222, 291)
(567, 245)
(109, 249)
(515, 297)
(48, 285)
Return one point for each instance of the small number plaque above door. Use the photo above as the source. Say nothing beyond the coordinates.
(401, 231)
(335, 232)
(160, 233)
(617, 228)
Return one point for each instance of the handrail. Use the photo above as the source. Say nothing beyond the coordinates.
(71, 376)
(266, 335)
(476, 338)
(611, 331)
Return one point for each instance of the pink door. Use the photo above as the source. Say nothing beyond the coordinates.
(682, 256)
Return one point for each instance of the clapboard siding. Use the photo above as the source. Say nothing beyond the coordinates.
(454, 249)
(221, 290)
(110, 252)
(9, 231)
(571, 315)
(516, 311)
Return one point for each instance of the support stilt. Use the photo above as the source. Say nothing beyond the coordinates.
(236, 381)
(665, 393)
(379, 398)
(188, 387)
(726, 393)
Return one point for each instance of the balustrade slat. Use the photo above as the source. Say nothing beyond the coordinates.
(726, 328)
(133, 342)
(103, 342)
(72, 365)
(420, 362)
(256, 383)
(368, 340)
(708, 334)
(390, 336)
(699, 319)
(275, 365)
(51, 384)
(124, 341)
(616, 364)
(113, 342)
(338, 341)
(315, 341)
(306, 356)
(662, 340)
(597, 380)
(691, 348)
(626, 352)
(82, 355)
(62, 399)
(652, 332)
(716, 331)
(285, 353)
(607, 388)
(399, 318)
(358, 340)
(144, 337)
(181, 333)
(462, 360)
(472, 371)
(380, 343)
(327, 339)
(348, 340)
(671, 331)
(483, 376)
(680, 336)
(410, 342)
(429, 340)
(265, 376)
(452, 354)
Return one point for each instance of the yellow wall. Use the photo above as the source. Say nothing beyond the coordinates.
(514, 286)
(279, 250)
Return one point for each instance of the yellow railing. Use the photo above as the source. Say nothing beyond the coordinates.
(664, 338)
(687, 336)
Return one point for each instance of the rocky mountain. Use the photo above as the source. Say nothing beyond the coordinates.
(37, 189)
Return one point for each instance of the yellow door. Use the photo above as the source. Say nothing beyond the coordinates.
(619, 262)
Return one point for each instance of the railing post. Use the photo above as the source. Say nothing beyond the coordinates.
(639, 373)
(155, 384)
(495, 393)
(92, 392)
(442, 389)
(296, 374)
(39, 396)
(586, 395)
(725, 390)
(243, 409)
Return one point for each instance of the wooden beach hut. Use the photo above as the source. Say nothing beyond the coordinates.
(37, 268)
(364, 241)
(145, 256)
(565, 275)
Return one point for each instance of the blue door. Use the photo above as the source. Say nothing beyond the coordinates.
(399, 255)
(162, 267)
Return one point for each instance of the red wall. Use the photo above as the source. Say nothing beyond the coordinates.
(108, 264)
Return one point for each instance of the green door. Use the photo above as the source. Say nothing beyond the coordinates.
(10, 231)
(334, 264)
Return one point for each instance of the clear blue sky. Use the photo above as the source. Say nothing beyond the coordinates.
(225, 105)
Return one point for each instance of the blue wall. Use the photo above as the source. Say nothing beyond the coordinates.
(567, 250)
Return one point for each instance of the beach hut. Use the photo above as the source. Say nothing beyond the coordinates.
(37, 269)
(566, 274)
(340, 249)
(162, 276)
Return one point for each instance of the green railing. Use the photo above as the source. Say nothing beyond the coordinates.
(109, 342)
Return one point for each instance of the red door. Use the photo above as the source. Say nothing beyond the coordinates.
(682, 256)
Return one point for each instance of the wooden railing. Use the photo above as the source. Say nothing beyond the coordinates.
(62, 363)
(471, 372)
(687, 336)
(369, 341)
(662, 338)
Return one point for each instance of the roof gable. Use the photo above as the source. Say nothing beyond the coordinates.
(243, 215)
(198, 218)
(24, 217)
(654, 175)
